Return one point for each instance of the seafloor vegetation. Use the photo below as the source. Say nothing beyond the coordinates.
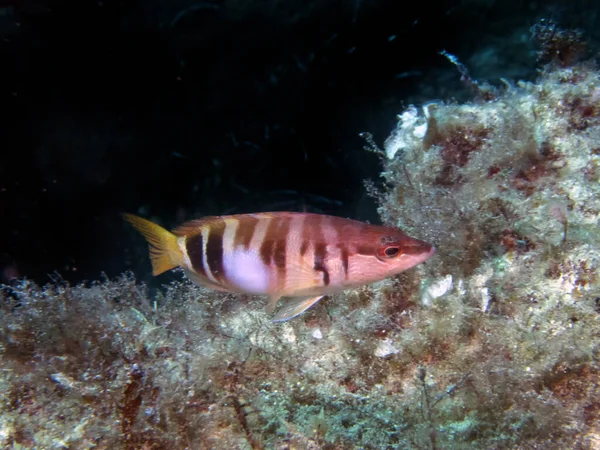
(493, 343)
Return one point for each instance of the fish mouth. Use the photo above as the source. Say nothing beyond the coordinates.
(427, 254)
(422, 251)
(418, 253)
(418, 247)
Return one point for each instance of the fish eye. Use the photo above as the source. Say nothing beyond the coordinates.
(390, 252)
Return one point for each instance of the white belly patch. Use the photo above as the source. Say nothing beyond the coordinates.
(246, 271)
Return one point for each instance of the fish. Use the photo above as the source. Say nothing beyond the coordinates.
(303, 256)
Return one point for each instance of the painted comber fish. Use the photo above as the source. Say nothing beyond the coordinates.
(282, 254)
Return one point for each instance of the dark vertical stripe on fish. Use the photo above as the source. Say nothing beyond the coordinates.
(319, 261)
(316, 227)
(266, 247)
(280, 247)
(195, 246)
(345, 257)
(245, 231)
(214, 249)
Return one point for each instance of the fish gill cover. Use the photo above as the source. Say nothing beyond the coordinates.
(491, 344)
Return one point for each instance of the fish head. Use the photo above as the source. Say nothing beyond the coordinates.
(387, 251)
(401, 252)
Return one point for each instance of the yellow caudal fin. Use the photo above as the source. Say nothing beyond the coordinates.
(165, 253)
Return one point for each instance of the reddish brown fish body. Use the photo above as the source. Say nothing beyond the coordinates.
(285, 254)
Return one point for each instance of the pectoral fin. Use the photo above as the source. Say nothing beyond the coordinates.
(294, 307)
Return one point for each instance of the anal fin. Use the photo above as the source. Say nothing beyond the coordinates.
(295, 307)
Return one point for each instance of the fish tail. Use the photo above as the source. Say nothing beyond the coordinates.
(165, 253)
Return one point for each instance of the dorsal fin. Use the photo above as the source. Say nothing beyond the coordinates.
(194, 227)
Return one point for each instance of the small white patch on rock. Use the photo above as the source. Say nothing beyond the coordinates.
(485, 299)
(436, 290)
(288, 334)
(385, 348)
(479, 290)
(410, 128)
